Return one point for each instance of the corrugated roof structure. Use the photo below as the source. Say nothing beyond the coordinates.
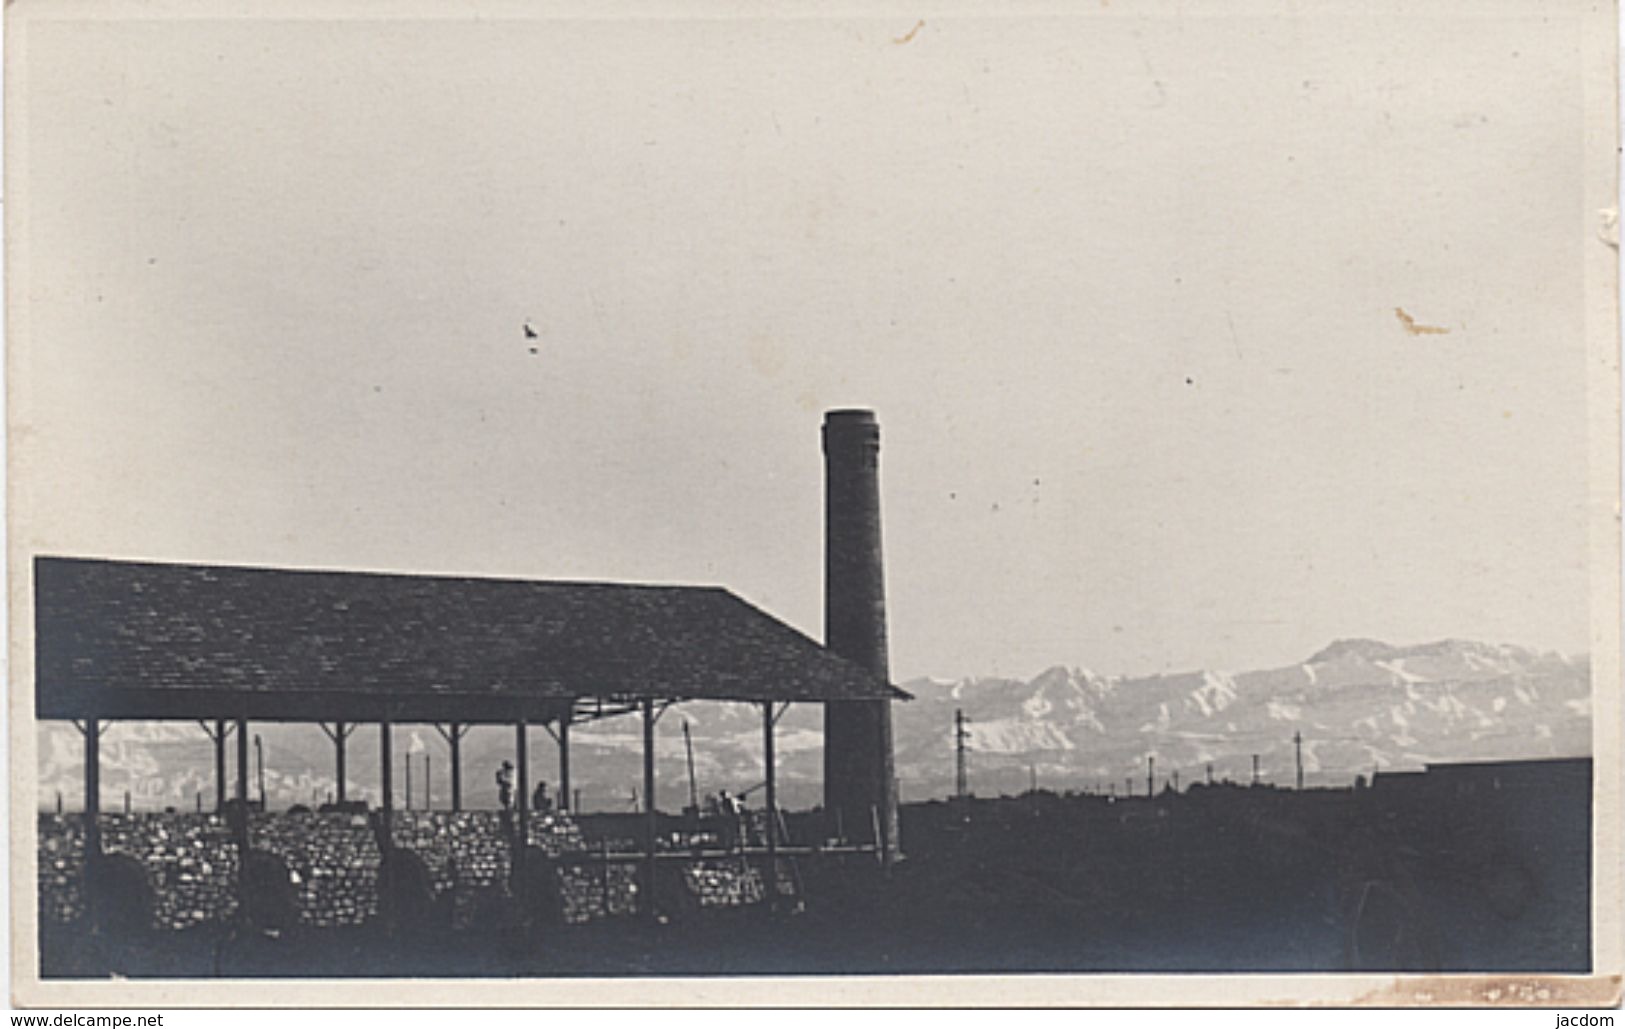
(122, 639)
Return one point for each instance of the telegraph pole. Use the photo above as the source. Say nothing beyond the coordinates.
(1297, 741)
(259, 758)
(1255, 769)
(961, 734)
(693, 785)
(1150, 776)
(1176, 780)
(1210, 773)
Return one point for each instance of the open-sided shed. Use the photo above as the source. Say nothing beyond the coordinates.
(229, 645)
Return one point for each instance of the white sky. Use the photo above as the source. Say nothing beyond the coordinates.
(1121, 286)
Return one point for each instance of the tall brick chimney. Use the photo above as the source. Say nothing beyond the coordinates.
(859, 785)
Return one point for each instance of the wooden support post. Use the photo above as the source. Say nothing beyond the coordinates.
(564, 763)
(646, 894)
(456, 766)
(452, 733)
(220, 764)
(340, 735)
(522, 801)
(406, 762)
(386, 765)
(240, 816)
(770, 880)
(93, 790)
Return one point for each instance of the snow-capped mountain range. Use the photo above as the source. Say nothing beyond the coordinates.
(1359, 705)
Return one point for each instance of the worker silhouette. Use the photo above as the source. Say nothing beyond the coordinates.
(539, 800)
(732, 811)
(505, 793)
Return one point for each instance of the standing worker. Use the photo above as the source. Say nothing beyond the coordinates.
(505, 793)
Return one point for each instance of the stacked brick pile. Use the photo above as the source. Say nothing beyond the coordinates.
(61, 862)
(598, 891)
(733, 883)
(465, 854)
(557, 834)
(189, 859)
(332, 861)
(723, 883)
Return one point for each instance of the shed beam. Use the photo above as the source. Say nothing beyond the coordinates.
(386, 764)
(646, 895)
(218, 735)
(770, 878)
(564, 764)
(453, 733)
(340, 735)
(457, 766)
(522, 801)
(240, 816)
(93, 790)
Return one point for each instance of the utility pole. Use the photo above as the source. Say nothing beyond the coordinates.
(1255, 769)
(1032, 775)
(1150, 775)
(693, 786)
(1210, 773)
(1297, 741)
(259, 759)
(1176, 780)
(961, 734)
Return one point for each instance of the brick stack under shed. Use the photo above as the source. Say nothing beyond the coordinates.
(333, 863)
(191, 862)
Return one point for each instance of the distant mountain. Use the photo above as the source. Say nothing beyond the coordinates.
(1359, 704)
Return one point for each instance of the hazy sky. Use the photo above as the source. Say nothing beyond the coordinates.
(1121, 286)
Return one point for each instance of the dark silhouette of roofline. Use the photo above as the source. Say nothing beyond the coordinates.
(145, 639)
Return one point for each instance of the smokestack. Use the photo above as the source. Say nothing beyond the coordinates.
(859, 788)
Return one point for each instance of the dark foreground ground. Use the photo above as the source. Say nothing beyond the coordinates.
(1217, 879)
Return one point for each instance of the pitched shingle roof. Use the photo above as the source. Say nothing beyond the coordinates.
(130, 639)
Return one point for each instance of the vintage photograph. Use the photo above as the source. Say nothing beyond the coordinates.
(524, 495)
